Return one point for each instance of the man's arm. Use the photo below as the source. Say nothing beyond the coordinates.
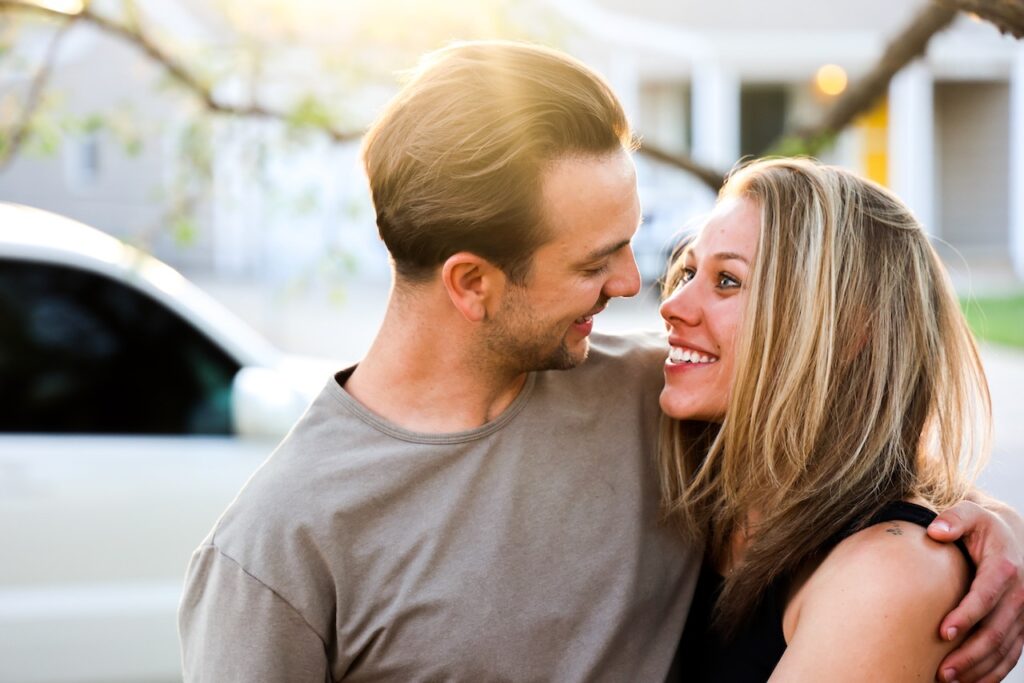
(235, 628)
(994, 535)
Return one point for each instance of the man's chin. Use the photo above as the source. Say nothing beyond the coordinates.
(569, 355)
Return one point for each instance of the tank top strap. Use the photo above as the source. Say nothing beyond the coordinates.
(902, 511)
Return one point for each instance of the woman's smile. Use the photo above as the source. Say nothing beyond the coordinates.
(704, 312)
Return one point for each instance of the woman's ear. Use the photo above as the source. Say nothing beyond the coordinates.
(473, 284)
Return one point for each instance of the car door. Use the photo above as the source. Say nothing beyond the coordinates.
(116, 457)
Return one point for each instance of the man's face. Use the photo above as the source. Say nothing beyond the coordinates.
(591, 206)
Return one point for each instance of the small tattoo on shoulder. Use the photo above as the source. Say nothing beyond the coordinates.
(894, 530)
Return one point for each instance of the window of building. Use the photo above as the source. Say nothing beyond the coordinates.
(83, 161)
(763, 112)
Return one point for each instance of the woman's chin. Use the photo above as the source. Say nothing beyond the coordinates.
(676, 406)
(685, 406)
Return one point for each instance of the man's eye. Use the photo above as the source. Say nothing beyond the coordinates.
(598, 270)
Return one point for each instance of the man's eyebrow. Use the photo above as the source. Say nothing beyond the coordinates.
(598, 254)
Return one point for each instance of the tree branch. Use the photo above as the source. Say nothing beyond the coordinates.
(177, 70)
(711, 177)
(903, 48)
(1006, 15)
(33, 97)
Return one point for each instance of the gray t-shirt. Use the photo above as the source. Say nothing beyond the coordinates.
(528, 549)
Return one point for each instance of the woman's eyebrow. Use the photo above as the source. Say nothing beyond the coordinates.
(730, 256)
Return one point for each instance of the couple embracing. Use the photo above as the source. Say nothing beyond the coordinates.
(494, 493)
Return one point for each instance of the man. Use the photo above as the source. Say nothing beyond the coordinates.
(454, 508)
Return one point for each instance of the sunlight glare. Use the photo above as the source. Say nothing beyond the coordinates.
(831, 79)
(62, 6)
(414, 23)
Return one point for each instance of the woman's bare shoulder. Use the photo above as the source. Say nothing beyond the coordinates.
(873, 606)
(901, 560)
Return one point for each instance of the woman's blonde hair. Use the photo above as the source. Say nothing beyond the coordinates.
(857, 381)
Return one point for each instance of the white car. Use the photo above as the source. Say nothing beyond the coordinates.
(132, 409)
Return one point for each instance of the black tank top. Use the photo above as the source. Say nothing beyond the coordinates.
(752, 655)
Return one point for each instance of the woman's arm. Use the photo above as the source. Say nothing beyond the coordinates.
(871, 610)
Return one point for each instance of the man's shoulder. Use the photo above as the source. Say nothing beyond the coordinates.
(299, 484)
(618, 367)
(637, 346)
(630, 356)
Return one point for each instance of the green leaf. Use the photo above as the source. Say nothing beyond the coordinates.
(44, 137)
(94, 123)
(184, 230)
(310, 113)
(133, 146)
(798, 145)
(196, 149)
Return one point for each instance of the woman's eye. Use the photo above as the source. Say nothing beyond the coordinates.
(726, 281)
(686, 275)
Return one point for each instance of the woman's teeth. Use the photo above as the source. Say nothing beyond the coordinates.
(680, 355)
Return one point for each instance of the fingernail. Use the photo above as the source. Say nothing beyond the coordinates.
(941, 525)
(949, 675)
(950, 635)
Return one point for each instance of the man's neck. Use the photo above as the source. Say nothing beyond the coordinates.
(423, 373)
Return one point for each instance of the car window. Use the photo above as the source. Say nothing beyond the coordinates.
(82, 353)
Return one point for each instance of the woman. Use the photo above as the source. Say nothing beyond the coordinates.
(823, 396)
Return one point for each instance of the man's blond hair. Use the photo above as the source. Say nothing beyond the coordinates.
(456, 159)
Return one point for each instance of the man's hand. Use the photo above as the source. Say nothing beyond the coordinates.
(994, 535)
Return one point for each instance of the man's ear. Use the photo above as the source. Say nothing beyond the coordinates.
(473, 284)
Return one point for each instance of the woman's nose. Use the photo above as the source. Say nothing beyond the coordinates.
(680, 308)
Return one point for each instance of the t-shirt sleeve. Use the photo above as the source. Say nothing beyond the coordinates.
(233, 627)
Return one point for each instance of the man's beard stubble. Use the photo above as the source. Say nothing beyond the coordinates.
(518, 345)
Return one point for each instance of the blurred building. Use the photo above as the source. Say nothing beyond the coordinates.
(718, 81)
(721, 80)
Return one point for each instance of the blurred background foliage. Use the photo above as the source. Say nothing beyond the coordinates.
(319, 68)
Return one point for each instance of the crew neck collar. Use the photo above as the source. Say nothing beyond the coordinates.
(337, 391)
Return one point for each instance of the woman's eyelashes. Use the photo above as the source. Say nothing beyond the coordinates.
(723, 280)
(727, 281)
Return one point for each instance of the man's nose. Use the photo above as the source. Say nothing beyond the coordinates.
(625, 280)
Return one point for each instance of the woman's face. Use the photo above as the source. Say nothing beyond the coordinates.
(704, 313)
